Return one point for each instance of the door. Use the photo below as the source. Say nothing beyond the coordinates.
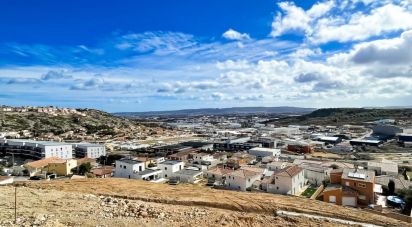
(349, 201)
(332, 199)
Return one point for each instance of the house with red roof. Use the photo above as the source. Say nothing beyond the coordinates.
(287, 181)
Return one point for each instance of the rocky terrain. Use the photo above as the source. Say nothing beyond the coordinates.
(342, 116)
(122, 202)
(38, 207)
(80, 124)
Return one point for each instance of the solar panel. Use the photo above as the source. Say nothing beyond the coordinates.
(356, 175)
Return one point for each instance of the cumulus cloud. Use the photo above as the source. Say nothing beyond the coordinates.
(387, 51)
(235, 35)
(326, 21)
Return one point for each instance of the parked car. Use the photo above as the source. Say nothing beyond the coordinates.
(174, 181)
(35, 178)
(210, 183)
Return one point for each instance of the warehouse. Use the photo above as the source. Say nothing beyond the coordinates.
(261, 152)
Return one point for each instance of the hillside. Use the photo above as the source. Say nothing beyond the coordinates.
(80, 124)
(181, 205)
(221, 111)
(341, 116)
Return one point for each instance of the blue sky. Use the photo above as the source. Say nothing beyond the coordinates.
(161, 55)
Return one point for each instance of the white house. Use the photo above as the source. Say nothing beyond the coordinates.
(287, 181)
(169, 167)
(188, 175)
(242, 179)
(133, 169)
(276, 165)
(218, 174)
(202, 157)
(261, 152)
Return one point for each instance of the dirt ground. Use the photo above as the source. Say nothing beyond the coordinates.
(51, 208)
(249, 209)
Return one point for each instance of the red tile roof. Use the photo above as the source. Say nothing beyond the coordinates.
(289, 171)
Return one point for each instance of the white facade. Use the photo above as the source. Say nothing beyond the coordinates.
(241, 179)
(277, 165)
(38, 149)
(199, 157)
(169, 167)
(127, 168)
(87, 150)
(261, 152)
(287, 184)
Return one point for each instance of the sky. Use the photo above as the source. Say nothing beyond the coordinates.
(151, 55)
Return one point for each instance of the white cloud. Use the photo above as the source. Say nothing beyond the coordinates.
(235, 35)
(295, 19)
(329, 21)
(388, 18)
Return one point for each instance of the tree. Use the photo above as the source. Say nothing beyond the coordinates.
(82, 169)
(151, 165)
(406, 194)
(391, 187)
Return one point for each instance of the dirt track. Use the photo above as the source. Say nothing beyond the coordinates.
(199, 196)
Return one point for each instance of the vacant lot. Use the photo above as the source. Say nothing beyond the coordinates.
(198, 196)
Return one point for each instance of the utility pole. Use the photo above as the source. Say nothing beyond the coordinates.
(15, 205)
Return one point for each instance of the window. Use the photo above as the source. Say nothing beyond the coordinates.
(124, 167)
(361, 185)
(165, 168)
(362, 197)
(277, 188)
(165, 175)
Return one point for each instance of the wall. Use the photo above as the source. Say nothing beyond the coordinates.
(367, 191)
(128, 172)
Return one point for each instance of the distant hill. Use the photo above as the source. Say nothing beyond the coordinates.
(221, 111)
(83, 124)
(341, 116)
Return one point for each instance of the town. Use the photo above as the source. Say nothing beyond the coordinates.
(366, 165)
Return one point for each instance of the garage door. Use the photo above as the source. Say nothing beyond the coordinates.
(332, 199)
(349, 201)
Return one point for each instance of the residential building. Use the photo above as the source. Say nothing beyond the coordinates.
(40, 166)
(242, 179)
(61, 167)
(218, 174)
(360, 180)
(182, 155)
(188, 175)
(102, 172)
(202, 157)
(287, 181)
(169, 167)
(88, 150)
(340, 195)
(37, 149)
(133, 169)
(276, 165)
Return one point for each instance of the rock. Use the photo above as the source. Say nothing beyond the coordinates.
(144, 214)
